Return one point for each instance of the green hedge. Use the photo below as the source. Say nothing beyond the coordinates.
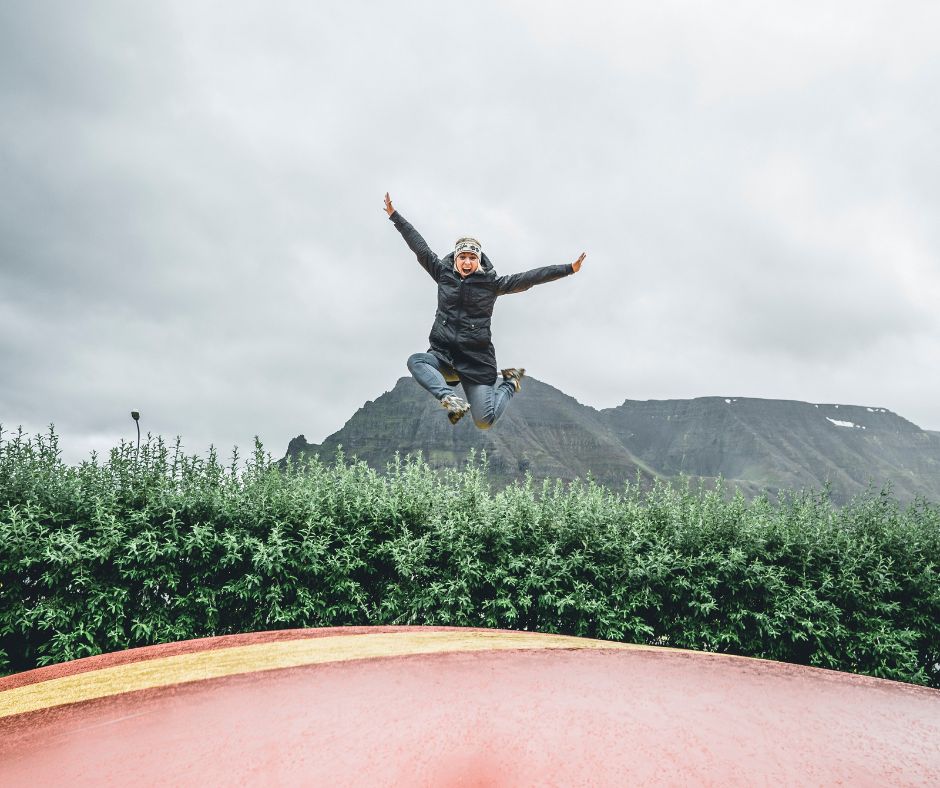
(155, 548)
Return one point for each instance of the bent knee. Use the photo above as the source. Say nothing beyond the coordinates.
(485, 423)
(415, 358)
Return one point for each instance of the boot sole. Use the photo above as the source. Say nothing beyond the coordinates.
(516, 379)
(458, 411)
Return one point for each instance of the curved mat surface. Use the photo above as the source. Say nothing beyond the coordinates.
(456, 706)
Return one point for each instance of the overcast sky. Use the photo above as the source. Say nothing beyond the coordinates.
(192, 222)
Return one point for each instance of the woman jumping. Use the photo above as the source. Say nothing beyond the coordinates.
(461, 350)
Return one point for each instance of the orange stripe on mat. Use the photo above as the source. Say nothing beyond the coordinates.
(140, 653)
(202, 665)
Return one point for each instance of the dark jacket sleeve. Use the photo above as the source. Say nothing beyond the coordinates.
(416, 243)
(516, 283)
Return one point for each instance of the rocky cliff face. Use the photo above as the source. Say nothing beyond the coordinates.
(777, 444)
(756, 445)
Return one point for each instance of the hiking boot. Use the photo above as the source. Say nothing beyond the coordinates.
(456, 407)
(515, 375)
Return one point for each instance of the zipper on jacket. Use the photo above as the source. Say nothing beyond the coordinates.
(459, 306)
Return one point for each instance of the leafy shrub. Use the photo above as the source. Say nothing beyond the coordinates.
(149, 548)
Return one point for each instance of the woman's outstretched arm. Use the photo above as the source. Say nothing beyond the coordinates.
(516, 283)
(415, 242)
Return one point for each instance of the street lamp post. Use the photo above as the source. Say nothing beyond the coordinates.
(136, 417)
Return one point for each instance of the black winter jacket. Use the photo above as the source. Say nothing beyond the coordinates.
(460, 335)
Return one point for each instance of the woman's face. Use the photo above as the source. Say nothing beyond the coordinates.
(467, 263)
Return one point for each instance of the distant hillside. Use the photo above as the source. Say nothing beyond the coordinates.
(756, 445)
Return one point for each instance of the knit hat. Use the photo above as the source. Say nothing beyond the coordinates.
(468, 244)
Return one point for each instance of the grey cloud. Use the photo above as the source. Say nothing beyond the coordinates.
(191, 217)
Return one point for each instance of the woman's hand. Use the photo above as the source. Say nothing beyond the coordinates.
(388, 205)
(577, 263)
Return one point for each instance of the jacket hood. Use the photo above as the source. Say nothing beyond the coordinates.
(485, 264)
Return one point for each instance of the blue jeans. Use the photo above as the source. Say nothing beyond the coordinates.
(486, 402)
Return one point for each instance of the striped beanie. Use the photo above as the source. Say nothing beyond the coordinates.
(468, 244)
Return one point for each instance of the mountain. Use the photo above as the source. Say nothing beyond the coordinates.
(778, 444)
(756, 445)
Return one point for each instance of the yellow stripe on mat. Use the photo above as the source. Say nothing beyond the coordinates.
(215, 663)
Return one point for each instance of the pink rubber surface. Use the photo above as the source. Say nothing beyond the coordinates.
(546, 717)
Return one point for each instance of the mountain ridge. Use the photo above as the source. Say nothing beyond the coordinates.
(756, 445)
